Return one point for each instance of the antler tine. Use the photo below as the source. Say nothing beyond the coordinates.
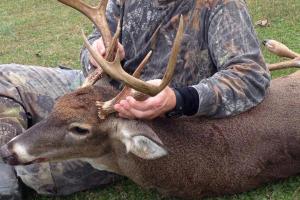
(286, 64)
(115, 70)
(98, 16)
(280, 49)
(95, 14)
(98, 73)
(111, 51)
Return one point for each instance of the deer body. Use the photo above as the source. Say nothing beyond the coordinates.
(224, 156)
(187, 157)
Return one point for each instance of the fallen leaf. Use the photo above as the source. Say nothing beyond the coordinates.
(38, 54)
(262, 23)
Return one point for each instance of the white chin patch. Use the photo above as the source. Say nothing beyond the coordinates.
(97, 164)
(22, 154)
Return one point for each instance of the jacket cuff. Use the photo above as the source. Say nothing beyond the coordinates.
(189, 100)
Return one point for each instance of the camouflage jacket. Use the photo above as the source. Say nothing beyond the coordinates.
(220, 56)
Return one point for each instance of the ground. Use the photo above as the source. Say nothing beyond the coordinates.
(46, 33)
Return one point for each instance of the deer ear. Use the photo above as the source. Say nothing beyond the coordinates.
(145, 148)
(140, 140)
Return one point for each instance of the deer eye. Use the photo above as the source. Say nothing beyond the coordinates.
(80, 129)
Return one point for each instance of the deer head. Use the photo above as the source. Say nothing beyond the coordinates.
(73, 130)
(81, 124)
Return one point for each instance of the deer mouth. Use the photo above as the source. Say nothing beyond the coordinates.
(13, 159)
(39, 160)
(7, 156)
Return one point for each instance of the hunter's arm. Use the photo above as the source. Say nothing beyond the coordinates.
(242, 77)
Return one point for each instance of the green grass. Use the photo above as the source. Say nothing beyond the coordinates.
(40, 32)
(43, 32)
(284, 17)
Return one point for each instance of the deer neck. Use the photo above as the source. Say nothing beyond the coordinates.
(107, 162)
(116, 160)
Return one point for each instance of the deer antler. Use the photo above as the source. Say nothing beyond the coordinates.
(106, 108)
(98, 73)
(111, 65)
(282, 50)
(97, 16)
(115, 70)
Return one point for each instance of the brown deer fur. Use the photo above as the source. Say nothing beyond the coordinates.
(206, 157)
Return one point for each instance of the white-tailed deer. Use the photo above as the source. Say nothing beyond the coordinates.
(186, 157)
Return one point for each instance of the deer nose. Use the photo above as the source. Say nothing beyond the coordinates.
(8, 157)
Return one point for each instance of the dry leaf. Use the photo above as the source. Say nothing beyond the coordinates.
(262, 23)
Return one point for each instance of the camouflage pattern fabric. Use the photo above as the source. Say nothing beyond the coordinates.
(10, 127)
(220, 55)
(27, 95)
(9, 187)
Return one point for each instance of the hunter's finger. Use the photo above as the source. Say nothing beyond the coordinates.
(100, 47)
(123, 112)
(140, 105)
(149, 114)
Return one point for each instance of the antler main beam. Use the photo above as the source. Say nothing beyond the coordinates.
(95, 14)
(115, 70)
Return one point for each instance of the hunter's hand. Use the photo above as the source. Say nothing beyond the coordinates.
(99, 47)
(151, 108)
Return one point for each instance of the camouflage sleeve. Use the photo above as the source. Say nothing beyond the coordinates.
(112, 15)
(242, 77)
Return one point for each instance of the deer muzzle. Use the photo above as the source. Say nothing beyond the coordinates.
(8, 157)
